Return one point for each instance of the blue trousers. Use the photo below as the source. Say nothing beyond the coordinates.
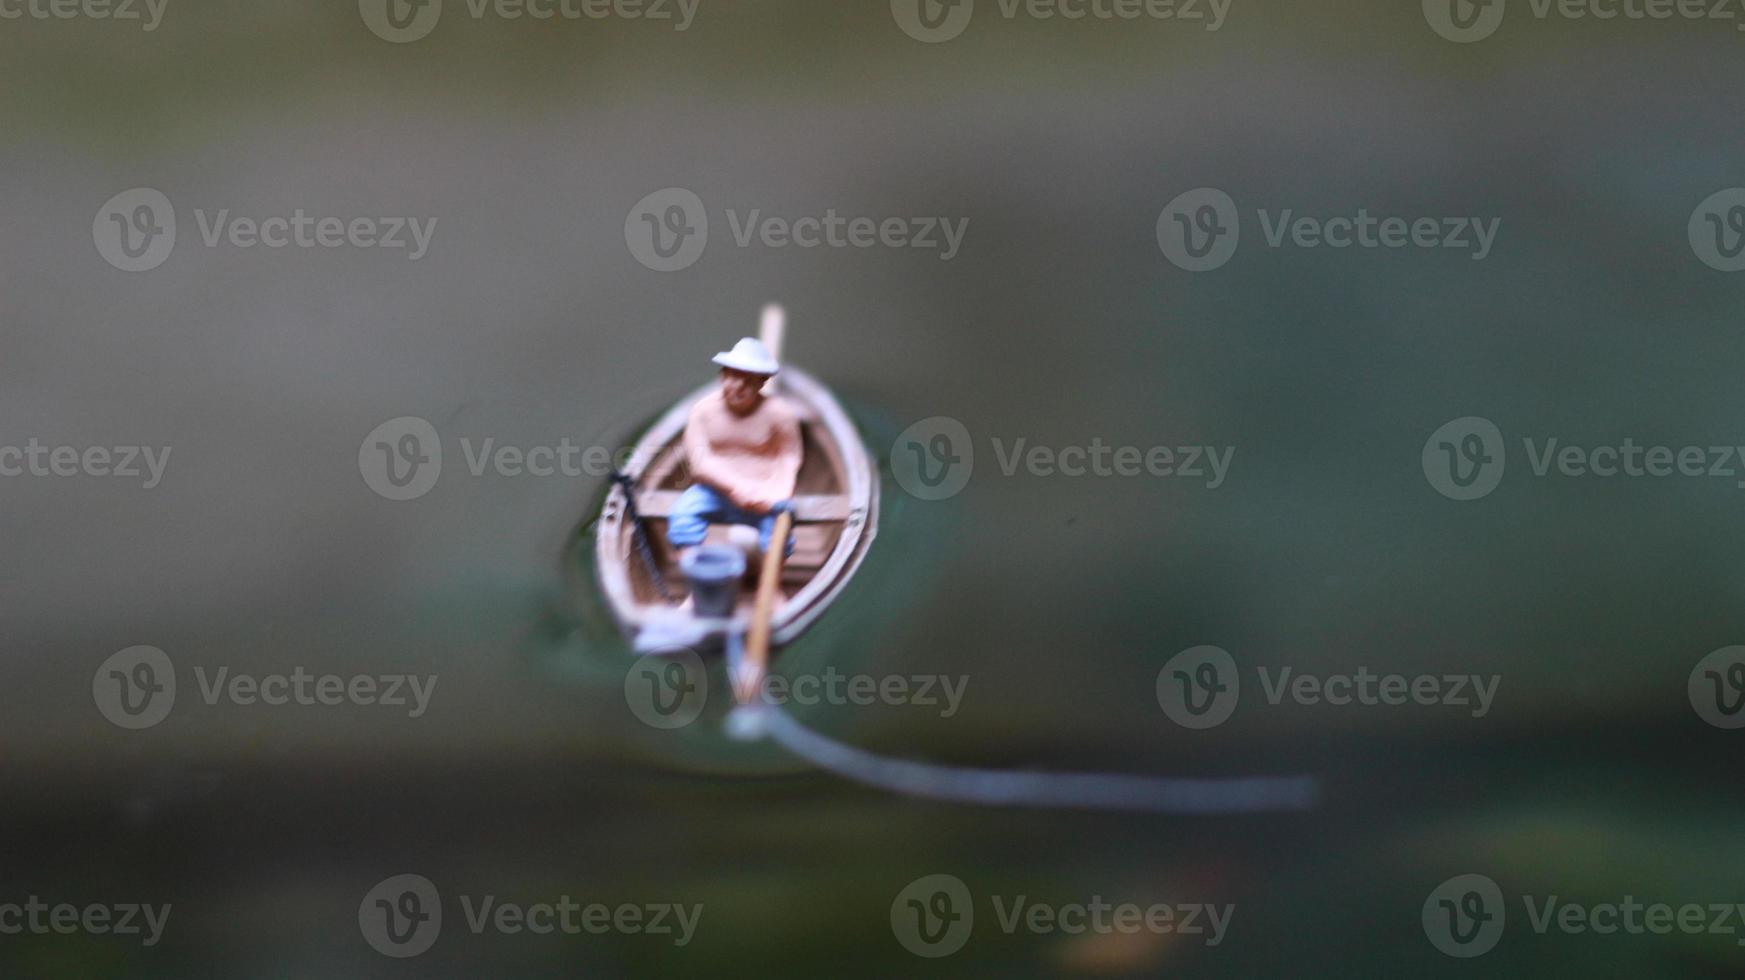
(699, 507)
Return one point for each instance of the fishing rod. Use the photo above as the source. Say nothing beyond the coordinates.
(639, 533)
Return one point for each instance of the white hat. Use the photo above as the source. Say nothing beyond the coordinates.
(748, 355)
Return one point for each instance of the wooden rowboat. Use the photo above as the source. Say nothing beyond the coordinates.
(835, 515)
(836, 509)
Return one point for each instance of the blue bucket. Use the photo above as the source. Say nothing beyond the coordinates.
(714, 573)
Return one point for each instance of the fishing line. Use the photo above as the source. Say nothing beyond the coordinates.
(1001, 787)
(997, 787)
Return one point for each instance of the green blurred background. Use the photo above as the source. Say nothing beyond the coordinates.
(1060, 322)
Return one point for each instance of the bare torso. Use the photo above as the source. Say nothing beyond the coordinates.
(752, 458)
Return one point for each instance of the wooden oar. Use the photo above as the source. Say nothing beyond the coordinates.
(772, 329)
(757, 639)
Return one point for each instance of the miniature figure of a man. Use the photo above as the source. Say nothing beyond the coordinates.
(743, 448)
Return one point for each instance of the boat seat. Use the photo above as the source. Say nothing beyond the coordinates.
(809, 508)
(812, 547)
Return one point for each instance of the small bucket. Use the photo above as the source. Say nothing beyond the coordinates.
(714, 573)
